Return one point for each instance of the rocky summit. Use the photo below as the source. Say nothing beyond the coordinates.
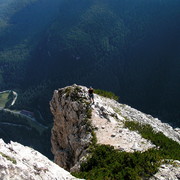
(76, 120)
(18, 162)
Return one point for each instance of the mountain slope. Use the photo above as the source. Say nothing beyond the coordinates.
(22, 23)
(128, 47)
(125, 46)
(20, 162)
(81, 130)
(132, 45)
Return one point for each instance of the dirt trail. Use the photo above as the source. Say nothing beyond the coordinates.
(113, 133)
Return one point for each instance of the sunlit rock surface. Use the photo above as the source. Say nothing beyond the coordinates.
(18, 162)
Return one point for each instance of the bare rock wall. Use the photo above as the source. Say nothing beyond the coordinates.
(70, 136)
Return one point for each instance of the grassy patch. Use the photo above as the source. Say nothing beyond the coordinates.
(169, 149)
(68, 90)
(107, 94)
(89, 113)
(8, 158)
(74, 93)
(3, 99)
(117, 110)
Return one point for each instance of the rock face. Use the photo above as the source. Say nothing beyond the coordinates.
(168, 172)
(71, 136)
(18, 162)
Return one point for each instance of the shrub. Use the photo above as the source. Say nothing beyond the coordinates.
(74, 93)
(8, 158)
(107, 163)
(169, 148)
(107, 94)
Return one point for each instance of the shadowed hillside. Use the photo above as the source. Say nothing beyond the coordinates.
(129, 47)
(125, 46)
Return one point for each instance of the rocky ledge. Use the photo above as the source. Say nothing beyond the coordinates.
(75, 117)
(109, 117)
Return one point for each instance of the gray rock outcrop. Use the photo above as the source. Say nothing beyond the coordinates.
(168, 172)
(18, 162)
(70, 136)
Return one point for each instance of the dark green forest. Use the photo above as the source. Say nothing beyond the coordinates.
(14, 127)
(130, 47)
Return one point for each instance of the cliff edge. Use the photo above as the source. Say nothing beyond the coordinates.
(71, 135)
(77, 122)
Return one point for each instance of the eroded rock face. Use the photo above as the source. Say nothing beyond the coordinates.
(18, 162)
(70, 134)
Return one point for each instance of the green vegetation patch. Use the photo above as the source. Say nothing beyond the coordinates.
(168, 148)
(107, 94)
(117, 110)
(107, 163)
(4, 98)
(74, 93)
(11, 96)
(9, 158)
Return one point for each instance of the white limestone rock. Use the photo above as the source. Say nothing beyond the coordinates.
(18, 162)
(70, 138)
(168, 172)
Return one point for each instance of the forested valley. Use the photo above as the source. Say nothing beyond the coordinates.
(130, 47)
